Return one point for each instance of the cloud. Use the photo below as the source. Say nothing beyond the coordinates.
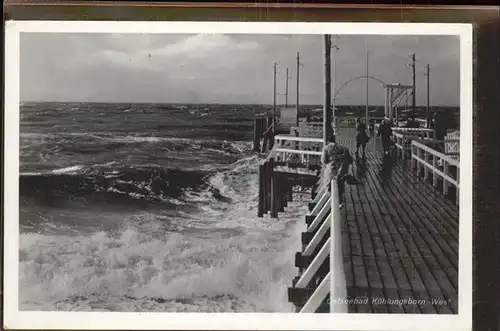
(224, 51)
(200, 45)
(226, 68)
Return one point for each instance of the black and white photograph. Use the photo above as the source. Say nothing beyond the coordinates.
(314, 172)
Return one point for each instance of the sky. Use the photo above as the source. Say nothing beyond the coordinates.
(229, 68)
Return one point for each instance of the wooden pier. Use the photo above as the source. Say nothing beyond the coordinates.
(400, 235)
(393, 247)
(389, 242)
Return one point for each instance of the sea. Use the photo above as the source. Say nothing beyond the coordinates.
(148, 207)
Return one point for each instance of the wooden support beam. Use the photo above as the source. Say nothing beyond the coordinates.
(266, 187)
(311, 206)
(306, 237)
(257, 134)
(284, 191)
(303, 261)
(281, 192)
(270, 122)
(274, 191)
(262, 183)
(310, 219)
(299, 296)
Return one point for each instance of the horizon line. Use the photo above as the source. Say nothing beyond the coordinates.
(220, 103)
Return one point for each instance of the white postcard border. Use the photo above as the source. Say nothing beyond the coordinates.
(15, 319)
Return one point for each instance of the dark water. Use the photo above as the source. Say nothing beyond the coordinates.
(147, 208)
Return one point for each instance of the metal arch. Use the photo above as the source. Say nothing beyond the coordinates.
(356, 78)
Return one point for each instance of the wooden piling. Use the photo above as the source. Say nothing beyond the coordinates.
(262, 183)
(281, 192)
(264, 144)
(270, 137)
(269, 121)
(269, 185)
(274, 191)
(266, 187)
(290, 191)
(257, 134)
(313, 191)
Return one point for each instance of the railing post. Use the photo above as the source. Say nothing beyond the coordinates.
(333, 229)
(419, 155)
(257, 134)
(426, 169)
(434, 174)
(445, 181)
(281, 192)
(337, 278)
(289, 190)
(274, 192)
(412, 159)
(268, 185)
(260, 212)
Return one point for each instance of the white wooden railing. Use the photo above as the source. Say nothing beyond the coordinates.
(291, 149)
(452, 144)
(310, 129)
(333, 283)
(350, 121)
(290, 141)
(403, 144)
(345, 122)
(431, 161)
(419, 133)
(421, 121)
(404, 136)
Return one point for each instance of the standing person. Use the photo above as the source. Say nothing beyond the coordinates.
(361, 137)
(371, 126)
(385, 132)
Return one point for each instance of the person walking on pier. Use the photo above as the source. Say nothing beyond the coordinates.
(361, 137)
(371, 126)
(385, 133)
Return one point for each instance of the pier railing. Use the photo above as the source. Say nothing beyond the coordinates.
(309, 129)
(303, 151)
(322, 281)
(350, 121)
(404, 136)
(419, 133)
(345, 122)
(436, 165)
(452, 144)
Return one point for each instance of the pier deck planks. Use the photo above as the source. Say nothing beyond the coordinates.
(400, 238)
